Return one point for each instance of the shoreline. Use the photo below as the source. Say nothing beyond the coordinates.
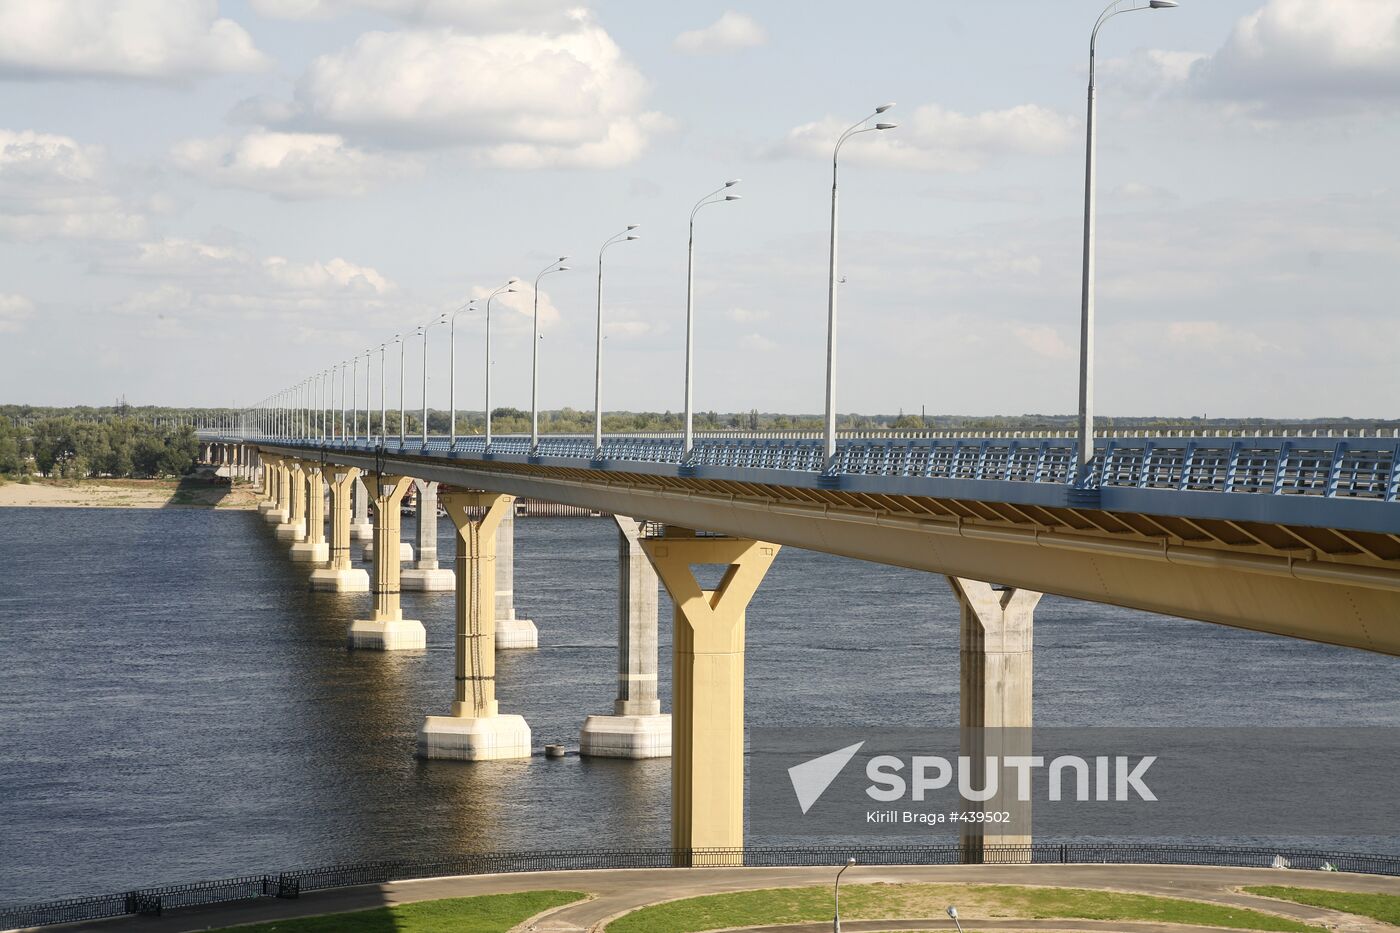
(193, 492)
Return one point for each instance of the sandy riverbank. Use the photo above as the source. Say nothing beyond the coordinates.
(189, 493)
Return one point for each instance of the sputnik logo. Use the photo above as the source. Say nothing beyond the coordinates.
(811, 778)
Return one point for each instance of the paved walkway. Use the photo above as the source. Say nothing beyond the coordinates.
(616, 892)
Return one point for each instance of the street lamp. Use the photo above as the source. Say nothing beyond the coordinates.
(452, 371)
(854, 130)
(714, 197)
(383, 419)
(355, 398)
(508, 287)
(402, 344)
(836, 897)
(953, 914)
(424, 331)
(535, 355)
(369, 418)
(343, 413)
(622, 237)
(1086, 307)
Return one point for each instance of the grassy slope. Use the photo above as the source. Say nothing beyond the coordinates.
(1382, 907)
(882, 902)
(489, 913)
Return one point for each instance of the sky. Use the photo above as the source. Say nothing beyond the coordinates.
(205, 201)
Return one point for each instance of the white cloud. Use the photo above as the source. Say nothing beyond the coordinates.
(1043, 341)
(627, 329)
(144, 39)
(52, 186)
(518, 99)
(14, 311)
(201, 279)
(288, 165)
(730, 33)
(475, 14)
(757, 342)
(1302, 56)
(746, 315)
(520, 305)
(936, 139)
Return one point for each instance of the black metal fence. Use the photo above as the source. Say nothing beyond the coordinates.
(288, 884)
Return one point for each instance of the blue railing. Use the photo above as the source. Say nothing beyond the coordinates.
(1325, 467)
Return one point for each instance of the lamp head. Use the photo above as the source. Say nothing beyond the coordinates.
(633, 226)
(511, 281)
(1161, 4)
(561, 258)
(850, 861)
(732, 182)
(733, 197)
(562, 269)
(952, 912)
(634, 237)
(885, 126)
(883, 107)
(510, 290)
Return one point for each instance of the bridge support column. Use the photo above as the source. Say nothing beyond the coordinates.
(707, 739)
(476, 730)
(388, 630)
(313, 549)
(996, 631)
(294, 528)
(267, 500)
(281, 493)
(425, 574)
(510, 631)
(637, 728)
(341, 576)
(361, 528)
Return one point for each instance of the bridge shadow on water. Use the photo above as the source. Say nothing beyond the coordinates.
(204, 487)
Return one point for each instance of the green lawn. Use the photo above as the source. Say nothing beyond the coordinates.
(1382, 907)
(974, 901)
(489, 913)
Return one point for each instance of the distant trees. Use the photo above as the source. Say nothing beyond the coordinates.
(68, 447)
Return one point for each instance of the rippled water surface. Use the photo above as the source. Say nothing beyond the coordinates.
(177, 705)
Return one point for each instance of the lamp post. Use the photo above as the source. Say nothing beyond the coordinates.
(402, 344)
(355, 398)
(854, 130)
(383, 421)
(714, 197)
(836, 897)
(343, 412)
(622, 237)
(452, 372)
(424, 331)
(1086, 306)
(535, 354)
(953, 915)
(369, 418)
(508, 287)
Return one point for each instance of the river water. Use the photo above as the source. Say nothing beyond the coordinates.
(176, 705)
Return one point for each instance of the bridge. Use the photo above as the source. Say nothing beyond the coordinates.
(1290, 535)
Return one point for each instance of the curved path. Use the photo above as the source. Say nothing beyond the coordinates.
(617, 892)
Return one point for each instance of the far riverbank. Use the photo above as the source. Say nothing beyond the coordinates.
(196, 491)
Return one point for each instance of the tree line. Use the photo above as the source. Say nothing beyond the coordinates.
(69, 447)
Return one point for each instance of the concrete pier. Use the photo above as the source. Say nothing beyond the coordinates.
(361, 528)
(510, 631)
(996, 631)
(707, 770)
(281, 493)
(293, 528)
(313, 549)
(425, 574)
(387, 630)
(340, 575)
(477, 730)
(637, 728)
